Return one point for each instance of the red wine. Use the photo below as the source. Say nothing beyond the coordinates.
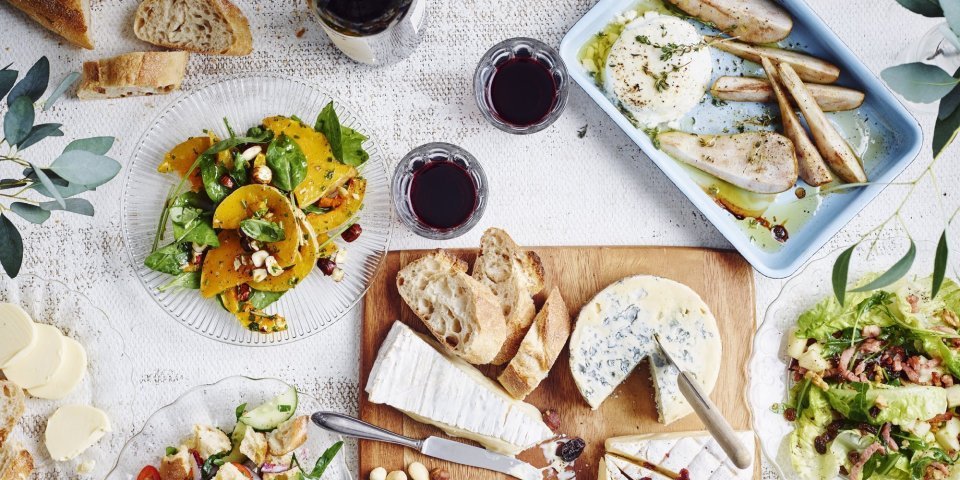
(443, 195)
(361, 17)
(522, 91)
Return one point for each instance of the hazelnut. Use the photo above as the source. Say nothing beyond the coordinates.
(418, 471)
(262, 174)
(251, 153)
(259, 274)
(378, 473)
(552, 419)
(259, 257)
(439, 474)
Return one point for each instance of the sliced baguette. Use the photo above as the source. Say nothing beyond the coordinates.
(539, 349)
(514, 276)
(68, 18)
(11, 408)
(15, 462)
(131, 74)
(461, 313)
(203, 26)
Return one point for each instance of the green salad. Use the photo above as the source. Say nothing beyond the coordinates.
(877, 385)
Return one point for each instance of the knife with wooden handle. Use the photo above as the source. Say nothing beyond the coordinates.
(718, 426)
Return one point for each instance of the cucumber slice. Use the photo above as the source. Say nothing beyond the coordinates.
(235, 438)
(271, 414)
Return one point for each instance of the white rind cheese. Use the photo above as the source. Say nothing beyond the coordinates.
(413, 375)
(696, 452)
(619, 468)
(614, 333)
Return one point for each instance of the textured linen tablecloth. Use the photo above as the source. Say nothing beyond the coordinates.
(551, 188)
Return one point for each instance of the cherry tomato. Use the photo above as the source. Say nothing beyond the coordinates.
(244, 470)
(149, 473)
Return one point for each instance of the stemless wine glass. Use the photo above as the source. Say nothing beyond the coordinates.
(506, 51)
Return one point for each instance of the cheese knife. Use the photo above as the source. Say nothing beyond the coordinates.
(718, 426)
(435, 447)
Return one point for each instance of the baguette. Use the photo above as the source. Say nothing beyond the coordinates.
(514, 276)
(11, 408)
(215, 27)
(130, 74)
(540, 348)
(15, 462)
(461, 313)
(68, 18)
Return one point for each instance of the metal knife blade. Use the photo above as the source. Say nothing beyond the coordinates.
(464, 454)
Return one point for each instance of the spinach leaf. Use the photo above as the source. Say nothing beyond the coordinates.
(353, 152)
(313, 208)
(329, 125)
(190, 280)
(260, 299)
(191, 222)
(287, 161)
(322, 463)
(170, 259)
(254, 135)
(210, 172)
(240, 170)
(262, 230)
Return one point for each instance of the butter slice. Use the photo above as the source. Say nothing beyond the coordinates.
(36, 365)
(72, 429)
(72, 369)
(17, 333)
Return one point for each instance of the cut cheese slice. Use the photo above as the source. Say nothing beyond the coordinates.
(619, 468)
(37, 365)
(72, 429)
(18, 333)
(697, 453)
(414, 375)
(614, 333)
(71, 371)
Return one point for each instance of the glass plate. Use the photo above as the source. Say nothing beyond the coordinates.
(318, 301)
(769, 377)
(105, 386)
(216, 404)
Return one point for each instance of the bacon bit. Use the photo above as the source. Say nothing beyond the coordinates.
(857, 469)
(845, 358)
(911, 374)
(936, 471)
(940, 418)
(946, 380)
(885, 435)
(871, 345)
(871, 331)
(914, 302)
(817, 380)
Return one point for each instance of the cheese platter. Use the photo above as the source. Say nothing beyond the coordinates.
(628, 416)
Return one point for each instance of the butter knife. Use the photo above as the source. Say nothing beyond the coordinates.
(718, 426)
(435, 447)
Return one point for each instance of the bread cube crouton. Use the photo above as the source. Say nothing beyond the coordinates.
(292, 474)
(230, 471)
(288, 436)
(254, 446)
(209, 441)
(178, 466)
(285, 460)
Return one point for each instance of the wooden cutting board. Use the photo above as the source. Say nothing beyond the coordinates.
(722, 278)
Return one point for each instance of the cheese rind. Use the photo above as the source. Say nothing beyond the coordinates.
(618, 468)
(412, 374)
(697, 452)
(17, 333)
(37, 365)
(614, 333)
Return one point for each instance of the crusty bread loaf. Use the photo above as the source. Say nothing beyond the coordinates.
(11, 408)
(202, 26)
(462, 313)
(130, 74)
(540, 348)
(514, 276)
(67, 18)
(15, 462)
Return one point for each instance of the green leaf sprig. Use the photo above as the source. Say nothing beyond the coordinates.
(322, 463)
(345, 142)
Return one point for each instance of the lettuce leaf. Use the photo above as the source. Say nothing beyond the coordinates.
(901, 405)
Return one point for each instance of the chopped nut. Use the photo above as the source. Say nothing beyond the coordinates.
(418, 471)
(341, 256)
(439, 474)
(552, 419)
(337, 274)
(378, 473)
(237, 262)
(197, 248)
(817, 380)
(251, 153)
(397, 475)
(259, 257)
(259, 274)
(262, 174)
(343, 191)
(273, 268)
(949, 317)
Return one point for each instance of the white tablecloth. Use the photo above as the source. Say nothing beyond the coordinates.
(551, 188)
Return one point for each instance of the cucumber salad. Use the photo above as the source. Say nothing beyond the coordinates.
(262, 445)
(876, 385)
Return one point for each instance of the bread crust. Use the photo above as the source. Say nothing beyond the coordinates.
(539, 349)
(152, 72)
(68, 18)
(15, 463)
(12, 406)
(241, 41)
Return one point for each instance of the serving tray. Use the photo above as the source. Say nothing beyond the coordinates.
(890, 135)
(722, 278)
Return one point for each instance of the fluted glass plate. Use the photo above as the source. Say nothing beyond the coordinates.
(245, 100)
(215, 405)
(106, 384)
(770, 380)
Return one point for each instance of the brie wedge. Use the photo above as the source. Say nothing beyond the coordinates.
(37, 365)
(17, 333)
(614, 333)
(618, 468)
(414, 375)
(696, 452)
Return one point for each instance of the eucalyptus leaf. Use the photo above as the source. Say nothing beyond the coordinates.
(85, 168)
(30, 213)
(940, 264)
(18, 120)
(73, 205)
(48, 184)
(945, 131)
(950, 35)
(7, 79)
(63, 187)
(65, 84)
(95, 145)
(951, 11)
(287, 162)
(927, 8)
(11, 247)
(39, 132)
(840, 270)
(919, 82)
(34, 83)
(896, 272)
(949, 103)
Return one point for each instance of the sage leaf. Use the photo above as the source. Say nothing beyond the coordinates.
(190, 280)
(329, 125)
(95, 145)
(170, 259)
(39, 132)
(48, 184)
(897, 271)
(73, 205)
(18, 120)
(260, 299)
(841, 267)
(940, 264)
(927, 8)
(287, 162)
(7, 79)
(262, 230)
(30, 213)
(64, 85)
(210, 173)
(11, 247)
(85, 168)
(919, 82)
(33, 84)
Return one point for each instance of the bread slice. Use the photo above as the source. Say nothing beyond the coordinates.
(514, 276)
(15, 462)
(539, 349)
(131, 74)
(459, 311)
(68, 18)
(203, 26)
(11, 408)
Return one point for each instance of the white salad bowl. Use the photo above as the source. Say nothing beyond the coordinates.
(245, 100)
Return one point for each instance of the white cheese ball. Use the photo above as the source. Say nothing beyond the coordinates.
(659, 69)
